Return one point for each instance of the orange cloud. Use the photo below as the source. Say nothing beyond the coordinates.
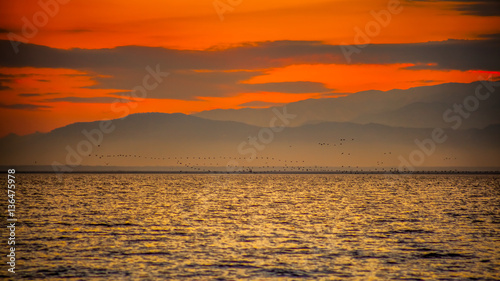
(193, 24)
(361, 77)
(36, 99)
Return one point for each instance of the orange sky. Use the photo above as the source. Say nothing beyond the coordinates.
(196, 25)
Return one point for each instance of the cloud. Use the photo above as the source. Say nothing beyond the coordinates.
(450, 54)
(3, 87)
(77, 30)
(182, 85)
(5, 78)
(481, 8)
(490, 36)
(189, 85)
(88, 100)
(222, 72)
(24, 106)
(29, 95)
(260, 104)
(299, 87)
(35, 94)
(8, 78)
(475, 8)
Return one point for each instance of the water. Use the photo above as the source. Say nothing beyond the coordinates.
(262, 227)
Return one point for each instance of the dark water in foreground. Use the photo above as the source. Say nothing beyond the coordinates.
(261, 227)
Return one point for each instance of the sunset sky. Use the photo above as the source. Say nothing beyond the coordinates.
(81, 60)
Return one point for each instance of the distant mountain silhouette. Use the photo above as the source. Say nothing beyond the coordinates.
(419, 107)
(194, 143)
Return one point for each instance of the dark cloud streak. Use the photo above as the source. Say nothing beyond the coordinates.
(24, 106)
(88, 100)
(483, 8)
(450, 54)
(260, 104)
(27, 95)
(3, 87)
(226, 70)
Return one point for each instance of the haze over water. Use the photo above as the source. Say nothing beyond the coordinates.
(265, 227)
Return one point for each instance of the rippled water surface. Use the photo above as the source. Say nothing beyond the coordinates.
(261, 227)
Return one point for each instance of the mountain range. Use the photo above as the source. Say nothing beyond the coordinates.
(368, 130)
(420, 107)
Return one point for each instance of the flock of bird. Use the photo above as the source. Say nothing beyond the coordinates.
(260, 163)
(257, 164)
(333, 144)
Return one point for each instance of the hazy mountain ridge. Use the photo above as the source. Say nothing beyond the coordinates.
(419, 107)
(158, 139)
(366, 129)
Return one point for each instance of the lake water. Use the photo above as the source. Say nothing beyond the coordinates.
(261, 227)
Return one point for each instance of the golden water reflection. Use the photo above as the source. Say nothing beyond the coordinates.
(337, 227)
